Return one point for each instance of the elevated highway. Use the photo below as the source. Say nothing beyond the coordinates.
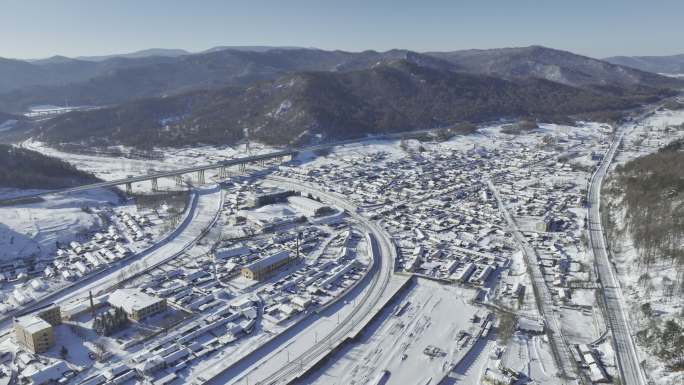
(222, 167)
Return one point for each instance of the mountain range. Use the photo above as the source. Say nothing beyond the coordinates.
(673, 64)
(120, 79)
(292, 95)
(308, 106)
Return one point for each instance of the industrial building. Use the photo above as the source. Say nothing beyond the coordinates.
(308, 207)
(137, 304)
(268, 197)
(264, 267)
(34, 331)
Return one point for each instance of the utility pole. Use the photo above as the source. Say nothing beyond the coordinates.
(92, 303)
(299, 237)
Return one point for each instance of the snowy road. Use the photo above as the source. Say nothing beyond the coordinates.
(628, 361)
(542, 292)
(204, 211)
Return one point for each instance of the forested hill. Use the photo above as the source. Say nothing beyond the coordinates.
(653, 188)
(309, 106)
(28, 169)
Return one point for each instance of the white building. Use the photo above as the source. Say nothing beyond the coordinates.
(137, 304)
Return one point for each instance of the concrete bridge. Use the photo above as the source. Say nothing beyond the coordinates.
(199, 171)
(177, 175)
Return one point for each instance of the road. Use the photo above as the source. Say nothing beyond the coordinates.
(211, 166)
(543, 295)
(163, 174)
(204, 210)
(625, 351)
(268, 372)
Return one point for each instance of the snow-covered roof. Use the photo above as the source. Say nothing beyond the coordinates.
(42, 375)
(531, 325)
(260, 264)
(232, 252)
(32, 323)
(131, 300)
(305, 204)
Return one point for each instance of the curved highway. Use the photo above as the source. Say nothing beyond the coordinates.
(383, 254)
(204, 208)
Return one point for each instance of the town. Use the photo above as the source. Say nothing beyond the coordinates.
(266, 270)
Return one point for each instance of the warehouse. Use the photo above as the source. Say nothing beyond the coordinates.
(267, 197)
(264, 267)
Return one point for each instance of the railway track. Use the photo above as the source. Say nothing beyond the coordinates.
(383, 254)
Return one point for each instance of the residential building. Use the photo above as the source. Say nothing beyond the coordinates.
(137, 304)
(34, 331)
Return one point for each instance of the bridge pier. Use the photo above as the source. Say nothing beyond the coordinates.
(200, 177)
(129, 188)
(223, 172)
(243, 167)
(179, 180)
(155, 185)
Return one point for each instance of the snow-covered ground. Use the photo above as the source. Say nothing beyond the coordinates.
(397, 344)
(112, 168)
(35, 228)
(8, 125)
(644, 139)
(435, 314)
(675, 75)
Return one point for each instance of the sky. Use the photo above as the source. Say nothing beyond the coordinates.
(597, 28)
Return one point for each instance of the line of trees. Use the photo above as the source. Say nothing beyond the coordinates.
(23, 168)
(653, 195)
(666, 342)
(110, 321)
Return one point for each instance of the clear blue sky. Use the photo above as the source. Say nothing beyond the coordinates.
(599, 28)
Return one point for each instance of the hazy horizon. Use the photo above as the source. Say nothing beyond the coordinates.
(75, 28)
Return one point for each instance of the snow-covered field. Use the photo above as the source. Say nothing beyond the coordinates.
(673, 75)
(8, 125)
(112, 168)
(398, 343)
(34, 229)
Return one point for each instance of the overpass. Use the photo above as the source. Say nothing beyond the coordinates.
(154, 177)
(199, 171)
